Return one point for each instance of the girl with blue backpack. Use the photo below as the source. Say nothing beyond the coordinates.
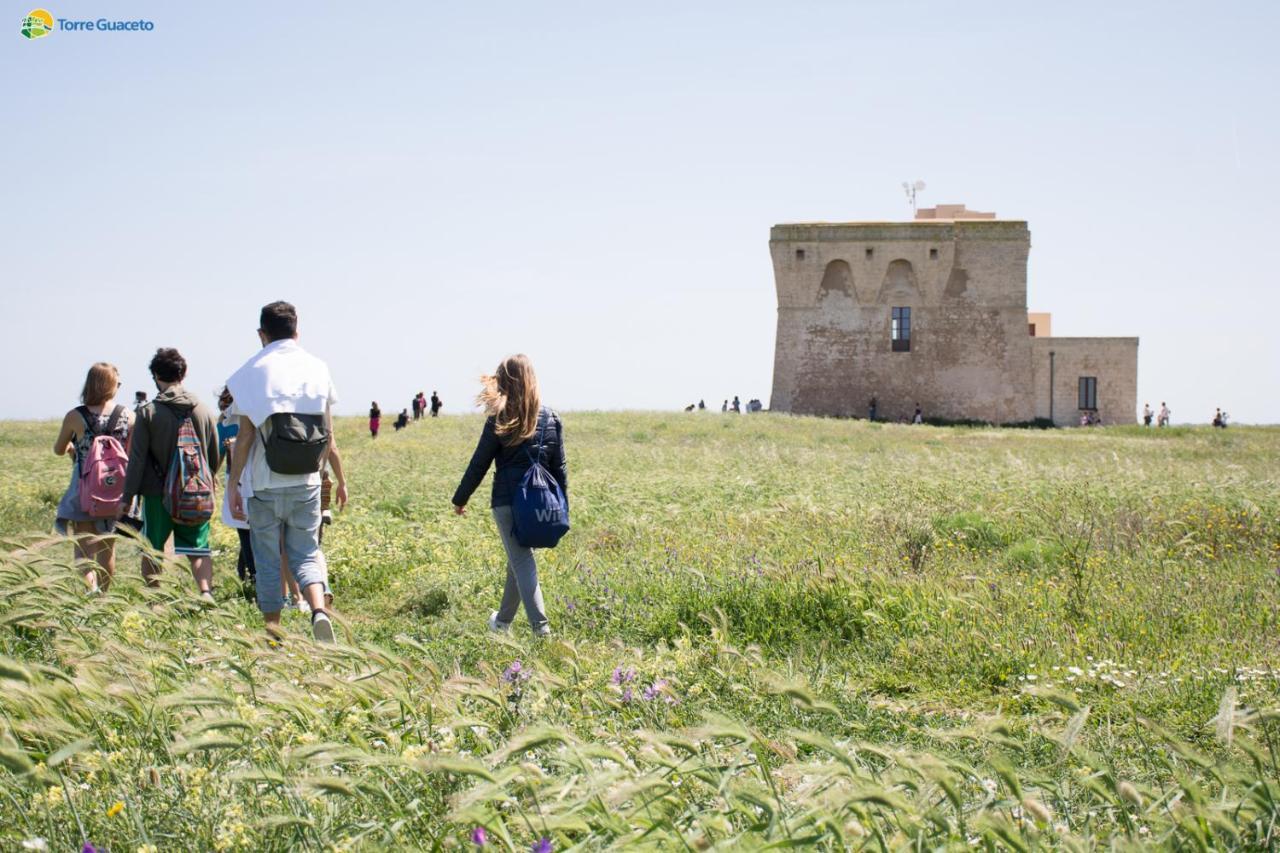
(524, 441)
(96, 436)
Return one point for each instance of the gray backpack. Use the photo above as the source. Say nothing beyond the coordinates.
(296, 443)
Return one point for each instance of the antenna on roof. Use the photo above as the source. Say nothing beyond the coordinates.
(911, 189)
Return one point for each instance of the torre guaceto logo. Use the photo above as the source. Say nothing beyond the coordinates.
(38, 23)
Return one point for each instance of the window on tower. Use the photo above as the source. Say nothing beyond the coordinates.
(900, 330)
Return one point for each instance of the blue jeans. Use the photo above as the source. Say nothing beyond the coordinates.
(290, 516)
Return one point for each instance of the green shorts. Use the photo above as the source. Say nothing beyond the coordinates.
(157, 524)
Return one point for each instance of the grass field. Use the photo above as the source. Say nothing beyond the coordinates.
(768, 631)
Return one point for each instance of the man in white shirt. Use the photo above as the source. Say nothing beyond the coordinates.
(284, 379)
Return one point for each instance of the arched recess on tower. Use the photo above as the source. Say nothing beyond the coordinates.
(899, 281)
(837, 278)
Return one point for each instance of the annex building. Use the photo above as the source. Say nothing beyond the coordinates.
(932, 312)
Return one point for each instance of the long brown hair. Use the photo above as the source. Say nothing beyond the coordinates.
(510, 396)
(100, 385)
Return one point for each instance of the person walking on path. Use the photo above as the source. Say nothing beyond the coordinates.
(509, 440)
(151, 455)
(375, 419)
(436, 404)
(98, 415)
(1146, 414)
(1163, 419)
(284, 397)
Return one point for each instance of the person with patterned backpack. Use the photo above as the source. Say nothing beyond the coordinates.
(96, 436)
(172, 461)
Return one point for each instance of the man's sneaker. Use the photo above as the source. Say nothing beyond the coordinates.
(498, 627)
(542, 632)
(321, 626)
(207, 598)
(302, 606)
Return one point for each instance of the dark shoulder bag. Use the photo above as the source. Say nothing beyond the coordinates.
(296, 444)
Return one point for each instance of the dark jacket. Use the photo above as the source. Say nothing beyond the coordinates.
(155, 437)
(513, 461)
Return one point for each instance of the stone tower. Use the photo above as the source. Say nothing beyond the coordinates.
(932, 312)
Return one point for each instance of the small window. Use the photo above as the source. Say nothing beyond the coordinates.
(933, 254)
(799, 254)
(1031, 327)
(870, 253)
(900, 330)
(1089, 393)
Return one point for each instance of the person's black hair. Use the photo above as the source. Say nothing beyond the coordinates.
(278, 321)
(168, 365)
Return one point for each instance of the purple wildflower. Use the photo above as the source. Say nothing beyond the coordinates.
(627, 696)
(543, 846)
(88, 848)
(515, 673)
(623, 676)
(653, 691)
(479, 837)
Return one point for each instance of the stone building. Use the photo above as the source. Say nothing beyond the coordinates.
(932, 312)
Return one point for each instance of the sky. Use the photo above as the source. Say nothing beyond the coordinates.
(436, 186)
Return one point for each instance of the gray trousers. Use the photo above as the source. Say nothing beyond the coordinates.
(522, 576)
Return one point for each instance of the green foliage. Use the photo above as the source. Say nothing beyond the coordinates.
(971, 528)
(1030, 555)
(770, 631)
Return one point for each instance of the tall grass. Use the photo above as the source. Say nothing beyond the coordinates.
(770, 631)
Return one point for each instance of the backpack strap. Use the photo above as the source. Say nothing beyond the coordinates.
(535, 458)
(87, 417)
(114, 420)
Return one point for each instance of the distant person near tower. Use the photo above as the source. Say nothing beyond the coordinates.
(1147, 414)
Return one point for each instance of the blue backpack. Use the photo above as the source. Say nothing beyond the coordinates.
(539, 509)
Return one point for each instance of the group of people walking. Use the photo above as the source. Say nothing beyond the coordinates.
(419, 405)
(276, 440)
(1161, 418)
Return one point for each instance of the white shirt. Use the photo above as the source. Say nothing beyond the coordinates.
(281, 377)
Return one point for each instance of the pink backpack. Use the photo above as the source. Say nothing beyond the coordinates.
(103, 468)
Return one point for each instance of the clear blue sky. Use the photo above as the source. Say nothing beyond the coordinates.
(438, 185)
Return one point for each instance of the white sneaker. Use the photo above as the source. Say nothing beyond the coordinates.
(207, 598)
(543, 632)
(302, 606)
(497, 627)
(321, 627)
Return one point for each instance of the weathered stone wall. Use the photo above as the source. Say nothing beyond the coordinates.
(1114, 361)
(965, 282)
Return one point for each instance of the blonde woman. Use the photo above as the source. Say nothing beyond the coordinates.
(509, 441)
(98, 415)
